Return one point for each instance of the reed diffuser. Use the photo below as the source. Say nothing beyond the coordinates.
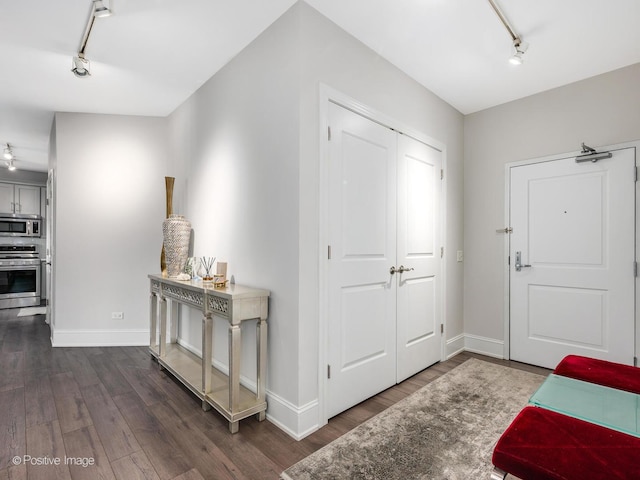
(207, 268)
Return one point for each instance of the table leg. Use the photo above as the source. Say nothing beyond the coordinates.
(163, 326)
(207, 340)
(234, 366)
(261, 340)
(153, 322)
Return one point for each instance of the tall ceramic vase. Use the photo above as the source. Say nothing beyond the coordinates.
(168, 182)
(176, 232)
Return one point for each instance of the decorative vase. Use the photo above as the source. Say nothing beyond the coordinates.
(168, 182)
(176, 232)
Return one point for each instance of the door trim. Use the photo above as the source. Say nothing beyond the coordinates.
(507, 244)
(329, 95)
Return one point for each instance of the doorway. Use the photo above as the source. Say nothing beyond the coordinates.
(384, 291)
(572, 259)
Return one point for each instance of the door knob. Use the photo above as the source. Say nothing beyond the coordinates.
(403, 269)
(393, 270)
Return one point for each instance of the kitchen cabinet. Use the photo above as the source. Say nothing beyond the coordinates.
(16, 198)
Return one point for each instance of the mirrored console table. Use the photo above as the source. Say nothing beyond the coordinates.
(234, 303)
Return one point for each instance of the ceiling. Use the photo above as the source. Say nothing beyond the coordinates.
(151, 55)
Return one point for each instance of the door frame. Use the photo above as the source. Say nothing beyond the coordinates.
(507, 244)
(329, 95)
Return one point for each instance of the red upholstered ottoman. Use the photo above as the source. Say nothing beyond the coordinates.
(544, 445)
(609, 374)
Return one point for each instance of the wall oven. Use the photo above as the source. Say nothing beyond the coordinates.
(19, 276)
(16, 225)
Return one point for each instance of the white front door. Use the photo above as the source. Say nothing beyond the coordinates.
(419, 310)
(573, 234)
(362, 294)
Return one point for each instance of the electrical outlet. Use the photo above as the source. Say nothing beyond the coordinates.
(459, 255)
(117, 315)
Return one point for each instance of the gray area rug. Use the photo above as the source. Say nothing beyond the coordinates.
(445, 430)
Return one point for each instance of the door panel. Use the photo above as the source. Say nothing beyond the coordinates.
(362, 299)
(574, 224)
(419, 314)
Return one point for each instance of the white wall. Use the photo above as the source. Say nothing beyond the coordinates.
(109, 209)
(247, 147)
(602, 110)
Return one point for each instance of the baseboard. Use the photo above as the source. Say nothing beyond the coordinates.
(484, 346)
(297, 422)
(454, 346)
(99, 338)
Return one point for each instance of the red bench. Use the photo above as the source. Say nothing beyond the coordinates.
(544, 445)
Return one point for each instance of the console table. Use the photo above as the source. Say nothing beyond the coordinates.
(236, 304)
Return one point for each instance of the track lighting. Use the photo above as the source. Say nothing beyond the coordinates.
(8, 153)
(519, 46)
(80, 65)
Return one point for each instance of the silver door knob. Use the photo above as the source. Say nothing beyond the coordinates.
(392, 270)
(403, 269)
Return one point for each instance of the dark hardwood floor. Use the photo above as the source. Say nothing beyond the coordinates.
(111, 413)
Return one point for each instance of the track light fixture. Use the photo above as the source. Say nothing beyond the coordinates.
(8, 152)
(80, 65)
(519, 46)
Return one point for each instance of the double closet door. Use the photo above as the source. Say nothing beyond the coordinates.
(385, 286)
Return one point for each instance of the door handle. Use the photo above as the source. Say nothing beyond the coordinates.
(403, 269)
(518, 264)
(393, 270)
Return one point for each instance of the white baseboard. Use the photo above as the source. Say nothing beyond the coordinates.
(484, 346)
(454, 346)
(99, 338)
(297, 422)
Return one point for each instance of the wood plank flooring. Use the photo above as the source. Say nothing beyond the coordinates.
(111, 413)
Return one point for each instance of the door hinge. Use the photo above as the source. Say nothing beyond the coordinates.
(329, 133)
(441, 252)
(328, 252)
(442, 328)
(635, 269)
(509, 260)
(635, 361)
(636, 174)
(441, 173)
(329, 371)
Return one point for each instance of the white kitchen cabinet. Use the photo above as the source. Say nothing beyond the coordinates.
(23, 199)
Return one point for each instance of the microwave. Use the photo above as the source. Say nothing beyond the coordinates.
(16, 225)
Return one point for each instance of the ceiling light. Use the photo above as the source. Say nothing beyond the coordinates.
(518, 44)
(99, 10)
(10, 165)
(520, 48)
(8, 153)
(81, 66)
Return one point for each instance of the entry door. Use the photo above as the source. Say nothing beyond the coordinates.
(573, 229)
(419, 310)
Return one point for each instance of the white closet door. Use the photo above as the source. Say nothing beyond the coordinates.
(418, 251)
(574, 235)
(362, 293)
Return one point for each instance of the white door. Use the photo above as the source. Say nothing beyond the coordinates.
(362, 294)
(418, 254)
(573, 229)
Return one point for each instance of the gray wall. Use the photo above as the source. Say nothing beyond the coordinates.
(246, 149)
(603, 110)
(109, 207)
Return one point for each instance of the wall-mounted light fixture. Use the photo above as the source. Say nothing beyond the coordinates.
(81, 66)
(519, 46)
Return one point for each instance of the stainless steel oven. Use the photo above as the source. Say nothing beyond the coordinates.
(19, 276)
